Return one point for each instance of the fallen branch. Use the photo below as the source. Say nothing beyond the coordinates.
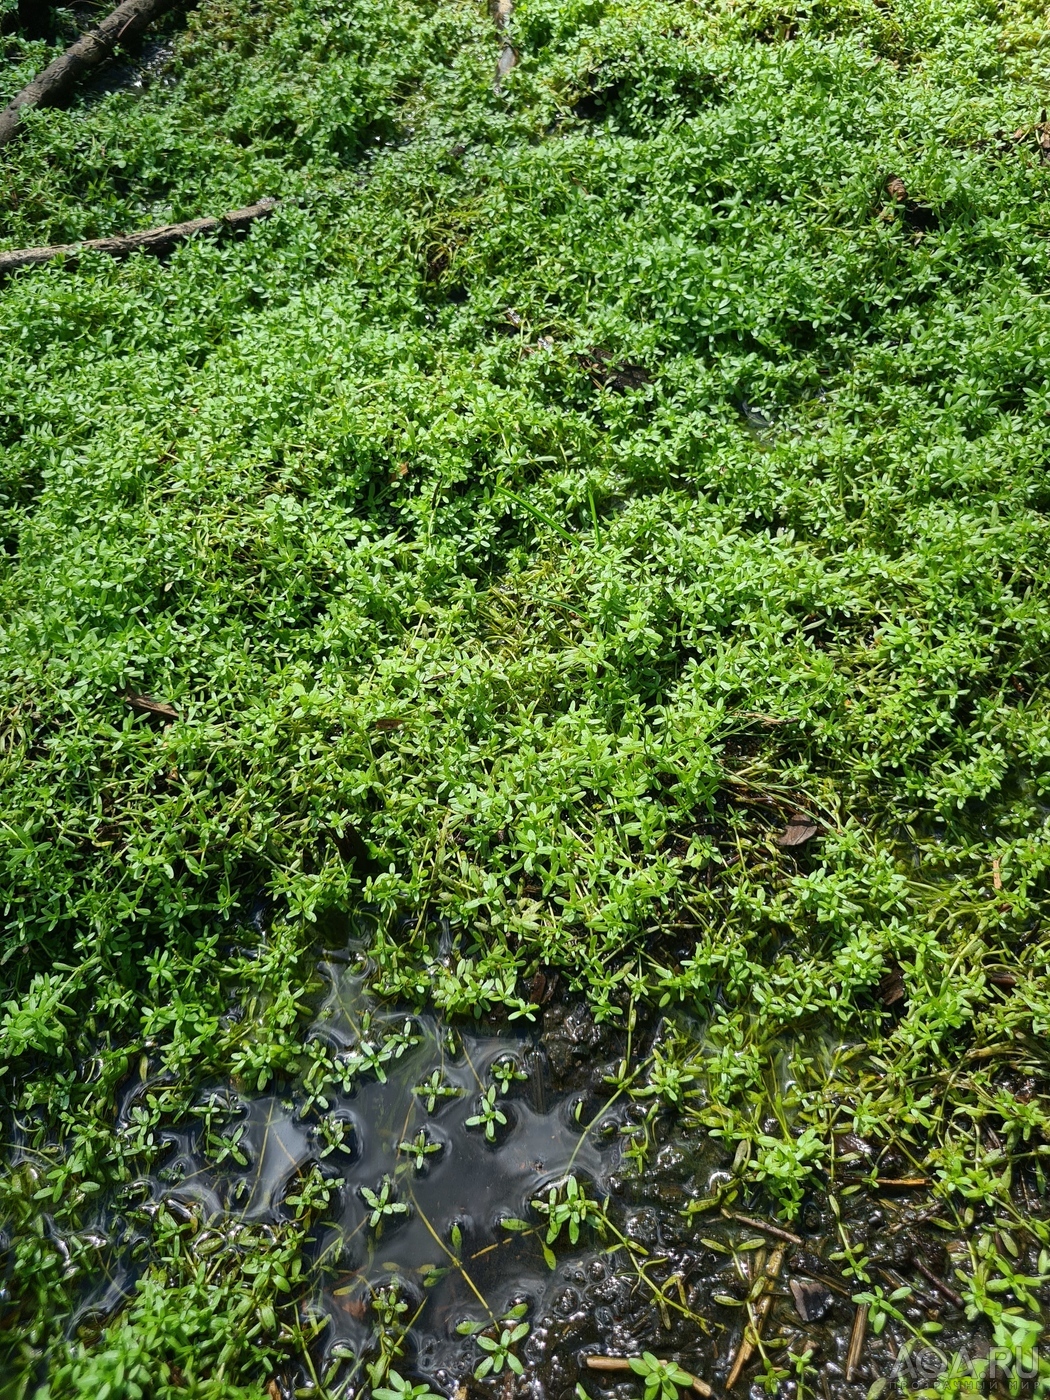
(88, 52)
(153, 240)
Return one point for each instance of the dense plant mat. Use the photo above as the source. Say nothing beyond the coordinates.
(598, 526)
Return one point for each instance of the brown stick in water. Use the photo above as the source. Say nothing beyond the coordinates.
(762, 1307)
(939, 1283)
(856, 1340)
(776, 1231)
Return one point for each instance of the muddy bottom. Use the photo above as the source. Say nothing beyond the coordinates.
(455, 1150)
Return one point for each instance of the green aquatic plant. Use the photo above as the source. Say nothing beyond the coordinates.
(489, 1115)
(663, 1379)
(419, 1149)
(397, 1388)
(499, 1347)
(506, 1071)
(434, 1089)
(382, 1204)
(568, 1207)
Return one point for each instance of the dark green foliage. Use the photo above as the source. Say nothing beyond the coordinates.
(565, 486)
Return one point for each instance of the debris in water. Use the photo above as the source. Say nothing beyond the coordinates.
(891, 985)
(856, 1340)
(943, 1288)
(812, 1299)
(776, 1231)
(623, 1363)
(762, 1304)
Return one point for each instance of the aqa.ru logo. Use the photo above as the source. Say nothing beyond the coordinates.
(925, 1365)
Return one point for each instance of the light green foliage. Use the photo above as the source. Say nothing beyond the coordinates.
(568, 1207)
(663, 1379)
(434, 1089)
(397, 1388)
(489, 1115)
(542, 623)
(419, 1149)
(506, 1071)
(498, 1347)
(382, 1205)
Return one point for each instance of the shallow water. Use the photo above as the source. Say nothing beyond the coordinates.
(444, 1255)
(446, 1247)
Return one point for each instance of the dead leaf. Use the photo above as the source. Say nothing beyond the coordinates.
(800, 829)
(542, 987)
(896, 189)
(618, 377)
(146, 706)
(891, 985)
(387, 723)
(812, 1300)
(997, 878)
(353, 1307)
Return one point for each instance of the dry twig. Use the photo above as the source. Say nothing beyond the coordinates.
(153, 240)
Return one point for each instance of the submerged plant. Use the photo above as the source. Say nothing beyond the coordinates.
(498, 1347)
(397, 1388)
(506, 1071)
(391, 1314)
(435, 1088)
